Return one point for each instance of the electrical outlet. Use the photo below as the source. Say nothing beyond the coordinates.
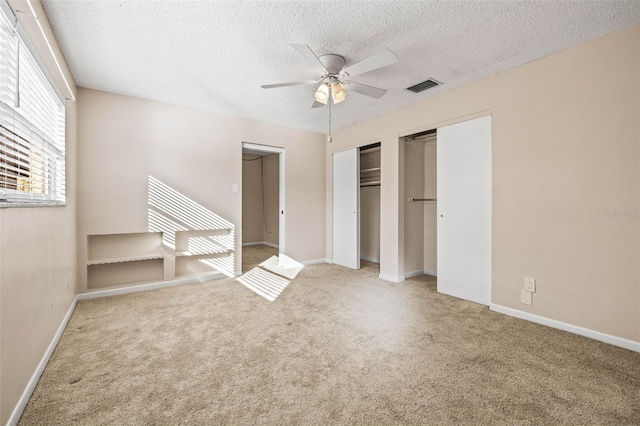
(530, 284)
(525, 297)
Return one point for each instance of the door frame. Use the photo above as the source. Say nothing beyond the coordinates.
(268, 149)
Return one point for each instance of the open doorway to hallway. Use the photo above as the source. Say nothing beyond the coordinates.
(262, 204)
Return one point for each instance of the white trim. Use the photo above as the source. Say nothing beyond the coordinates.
(53, 55)
(370, 259)
(329, 261)
(31, 385)
(260, 243)
(313, 262)
(596, 335)
(391, 278)
(413, 274)
(430, 272)
(151, 286)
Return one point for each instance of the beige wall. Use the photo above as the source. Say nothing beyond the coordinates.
(124, 140)
(413, 210)
(565, 151)
(271, 199)
(252, 224)
(253, 221)
(430, 264)
(37, 253)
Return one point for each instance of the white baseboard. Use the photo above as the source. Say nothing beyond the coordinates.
(370, 259)
(151, 286)
(391, 278)
(261, 243)
(430, 272)
(313, 261)
(31, 385)
(413, 274)
(596, 335)
(329, 261)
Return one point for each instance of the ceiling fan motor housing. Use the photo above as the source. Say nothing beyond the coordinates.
(333, 63)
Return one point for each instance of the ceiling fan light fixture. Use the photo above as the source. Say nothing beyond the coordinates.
(338, 93)
(322, 94)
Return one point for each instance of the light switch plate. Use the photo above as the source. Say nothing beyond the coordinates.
(525, 297)
(234, 188)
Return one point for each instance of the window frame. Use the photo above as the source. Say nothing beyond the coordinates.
(53, 154)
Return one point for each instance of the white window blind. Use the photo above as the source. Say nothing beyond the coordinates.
(32, 125)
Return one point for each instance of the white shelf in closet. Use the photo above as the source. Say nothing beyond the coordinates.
(373, 169)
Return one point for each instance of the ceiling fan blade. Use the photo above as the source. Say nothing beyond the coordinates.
(374, 62)
(363, 89)
(317, 104)
(293, 83)
(311, 58)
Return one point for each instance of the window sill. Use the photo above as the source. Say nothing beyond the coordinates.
(29, 205)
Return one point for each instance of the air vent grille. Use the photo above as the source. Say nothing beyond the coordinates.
(427, 84)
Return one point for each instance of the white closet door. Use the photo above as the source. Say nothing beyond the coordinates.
(346, 208)
(464, 210)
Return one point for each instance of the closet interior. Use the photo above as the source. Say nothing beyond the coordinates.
(370, 172)
(420, 204)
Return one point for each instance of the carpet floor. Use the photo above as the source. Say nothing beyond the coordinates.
(337, 347)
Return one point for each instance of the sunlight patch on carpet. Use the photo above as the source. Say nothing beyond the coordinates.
(272, 276)
(283, 265)
(264, 283)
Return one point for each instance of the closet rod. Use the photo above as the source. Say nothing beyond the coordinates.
(423, 199)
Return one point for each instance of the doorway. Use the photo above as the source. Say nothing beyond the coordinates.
(263, 210)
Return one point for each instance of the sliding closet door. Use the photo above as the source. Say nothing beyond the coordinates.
(464, 210)
(346, 208)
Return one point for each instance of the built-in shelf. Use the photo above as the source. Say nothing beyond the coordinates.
(209, 254)
(372, 183)
(114, 248)
(110, 275)
(121, 260)
(125, 259)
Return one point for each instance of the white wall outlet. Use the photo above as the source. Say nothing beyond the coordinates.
(530, 284)
(525, 297)
(234, 187)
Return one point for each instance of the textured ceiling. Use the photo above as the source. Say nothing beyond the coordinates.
(215, 55)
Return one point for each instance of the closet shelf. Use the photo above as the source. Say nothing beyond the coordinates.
(369, 150)
(373, 169)
(371, 183)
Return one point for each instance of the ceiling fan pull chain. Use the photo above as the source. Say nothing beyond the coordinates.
(330, 139)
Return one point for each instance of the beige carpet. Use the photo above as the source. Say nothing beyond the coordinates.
(337, 347)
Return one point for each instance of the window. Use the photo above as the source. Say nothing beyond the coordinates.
(32, 124)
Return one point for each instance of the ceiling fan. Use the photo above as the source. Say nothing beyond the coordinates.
(335, 77)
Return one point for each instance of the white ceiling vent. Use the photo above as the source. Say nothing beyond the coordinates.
(427, 84)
